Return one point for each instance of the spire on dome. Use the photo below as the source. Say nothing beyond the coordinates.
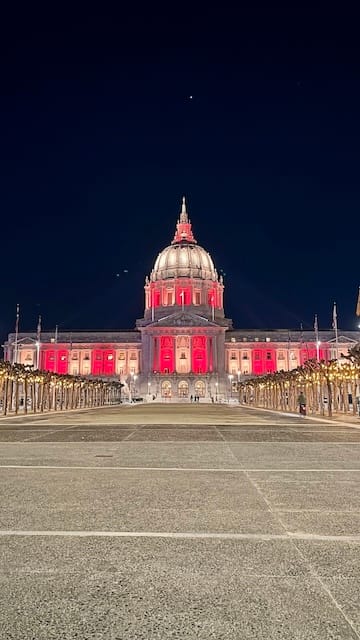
(183, 231)
(183, 214)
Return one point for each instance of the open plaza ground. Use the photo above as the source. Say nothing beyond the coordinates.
(179, 521)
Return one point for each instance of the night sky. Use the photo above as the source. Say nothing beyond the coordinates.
(100, 139)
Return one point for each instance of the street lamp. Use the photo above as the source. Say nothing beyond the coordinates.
(230, 381)
(37, 344)
(318, 343)
(216, 391)
(131, 386)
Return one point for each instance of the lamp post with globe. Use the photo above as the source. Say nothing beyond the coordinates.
(230, 383)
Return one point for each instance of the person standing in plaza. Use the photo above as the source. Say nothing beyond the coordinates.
(302, 404)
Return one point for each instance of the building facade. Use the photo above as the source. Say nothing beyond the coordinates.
(183, 345)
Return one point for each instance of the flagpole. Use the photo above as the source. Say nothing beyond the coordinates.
(38, 338)
(335, 327)
(15, 356)
(182, 301)
(288, 349)
(152, 305)
(213, 308)
(56, 337)
(316, 327)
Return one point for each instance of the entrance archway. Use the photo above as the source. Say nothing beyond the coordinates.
(200, 388)
(183, 389)
(166, 389)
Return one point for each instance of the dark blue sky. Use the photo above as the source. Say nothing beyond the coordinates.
(99, 141)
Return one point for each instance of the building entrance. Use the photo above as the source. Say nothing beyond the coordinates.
(166, 389)
(200, 388)
(183, 389)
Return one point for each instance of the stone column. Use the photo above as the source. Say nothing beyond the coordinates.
(215, 358)
(221, 352)
(145, 353)
(156, 353)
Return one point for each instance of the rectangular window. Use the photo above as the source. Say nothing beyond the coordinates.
(281, 355)
(197, 297)
(268, 355)
(169, 298)
(233, 355)
(245, 356)
(257, 355)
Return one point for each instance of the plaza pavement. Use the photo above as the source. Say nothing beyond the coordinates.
(179, 521)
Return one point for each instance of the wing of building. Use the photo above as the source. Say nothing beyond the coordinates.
(184, 345)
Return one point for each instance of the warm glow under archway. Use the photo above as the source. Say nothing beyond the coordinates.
(200, 388)
(166, 389)
(183, 389)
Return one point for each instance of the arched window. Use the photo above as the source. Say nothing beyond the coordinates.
(166, 389)
(200, 388)
(183, 389)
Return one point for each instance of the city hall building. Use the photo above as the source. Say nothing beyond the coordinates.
(184, 345)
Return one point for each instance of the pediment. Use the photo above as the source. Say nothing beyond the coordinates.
(183, 319)
(342, 340)
(26, 342)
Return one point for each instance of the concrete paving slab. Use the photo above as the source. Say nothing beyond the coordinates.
(150, 454)
(87, 435)
(298, 455)
(103, 499)
(174, 435)
(346, 593)
(326, 523)
(332, 559)
(164, 589)
(336, 495)
(306, 475)
(22, 435)
(290, 435)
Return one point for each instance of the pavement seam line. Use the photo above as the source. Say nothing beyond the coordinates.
(226, 445)
(33, 439)
(182, 535)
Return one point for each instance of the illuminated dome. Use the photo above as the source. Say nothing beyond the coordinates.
(184, 257)
(184, 260)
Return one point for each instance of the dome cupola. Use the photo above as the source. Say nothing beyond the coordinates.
(184, 258)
